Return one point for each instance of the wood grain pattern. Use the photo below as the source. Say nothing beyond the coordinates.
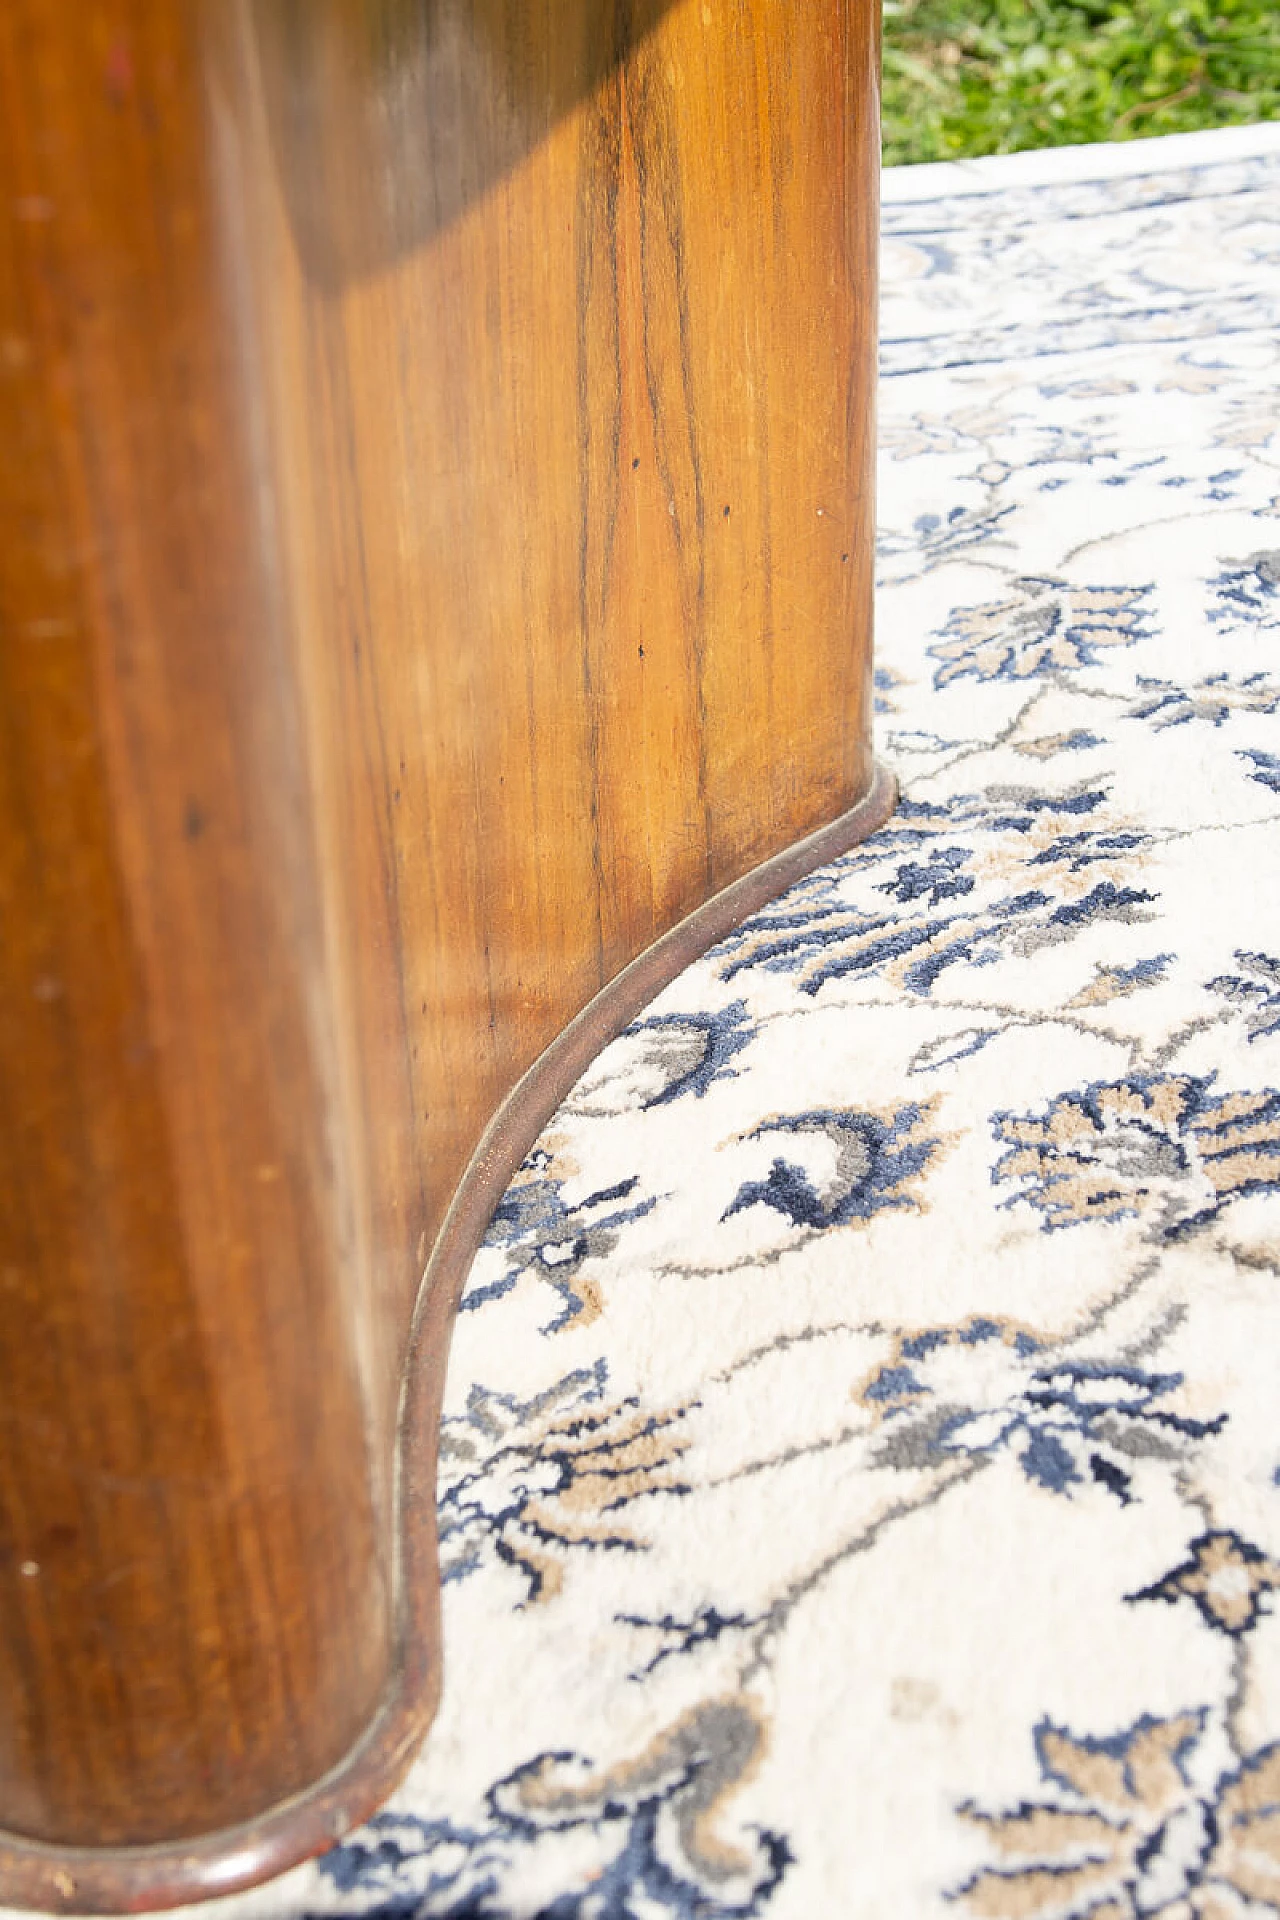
(192, 1604)
(436, 458)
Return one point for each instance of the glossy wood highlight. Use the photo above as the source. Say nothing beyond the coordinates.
(193, 1604)
(437, 458)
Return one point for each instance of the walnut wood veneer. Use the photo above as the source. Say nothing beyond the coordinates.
(436, 449)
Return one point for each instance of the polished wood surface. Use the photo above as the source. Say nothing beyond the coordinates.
(436, 452)
(193, 1607)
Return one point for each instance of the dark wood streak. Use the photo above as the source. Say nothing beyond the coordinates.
(599, 420)
(367, 709)
(675, 408)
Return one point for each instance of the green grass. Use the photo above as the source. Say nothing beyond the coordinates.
(965, 77)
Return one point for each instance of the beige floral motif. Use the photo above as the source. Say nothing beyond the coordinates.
(892, 1384)
(557, 1481)
(1049, 624)
(1008, 869)
(1128, 1833)
(1169, 704)
(690, 1769)
(1081, 1857)
(887, 684)
(1247, 1855)
(1047, 746)
(603, 1464)
(924, 433)
(1117, 983)
(1099, 389)
(1117, 856)
(1227, 1577)
(1193, 379)
(1249, 422)
(1163, 1145)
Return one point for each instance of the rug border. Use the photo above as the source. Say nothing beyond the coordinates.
(1065, 166)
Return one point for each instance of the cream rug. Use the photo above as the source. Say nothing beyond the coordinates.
(861, 1484)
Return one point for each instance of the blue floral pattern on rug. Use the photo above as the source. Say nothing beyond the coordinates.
(860, 1473)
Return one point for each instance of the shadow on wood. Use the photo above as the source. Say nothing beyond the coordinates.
(389, 118)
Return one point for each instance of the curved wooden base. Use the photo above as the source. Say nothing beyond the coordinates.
(141, 1879)
(436, 457)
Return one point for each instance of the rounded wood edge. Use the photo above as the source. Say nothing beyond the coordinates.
(146, 1879)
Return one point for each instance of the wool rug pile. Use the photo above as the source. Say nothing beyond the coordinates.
(861, 1468)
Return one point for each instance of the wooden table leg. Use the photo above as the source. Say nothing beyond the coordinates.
(436, 450)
